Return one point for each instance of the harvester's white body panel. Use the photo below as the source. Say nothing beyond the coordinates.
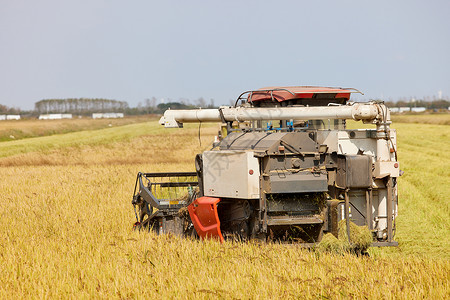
(231, 174)
(352, 142)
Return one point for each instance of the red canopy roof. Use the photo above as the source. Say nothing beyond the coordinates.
(280, 93)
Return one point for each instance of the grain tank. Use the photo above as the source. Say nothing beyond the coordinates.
(285, 167)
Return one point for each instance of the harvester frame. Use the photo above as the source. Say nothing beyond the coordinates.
(291, 182)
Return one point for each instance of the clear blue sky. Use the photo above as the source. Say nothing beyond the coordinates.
(133, 50)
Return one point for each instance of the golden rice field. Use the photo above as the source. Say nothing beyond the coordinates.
(429, 118)
(14, 130)
(66, 226)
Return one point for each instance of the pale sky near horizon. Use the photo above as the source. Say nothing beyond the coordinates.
(133, 50)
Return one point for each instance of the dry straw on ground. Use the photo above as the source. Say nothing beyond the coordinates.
(360, 240)
(66, 228)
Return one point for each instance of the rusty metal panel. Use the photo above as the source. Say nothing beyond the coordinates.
(171, 224)
(329, 138)
(293, 220)
(268, 142)
(303, 204)
(257, 141)
(354, 171)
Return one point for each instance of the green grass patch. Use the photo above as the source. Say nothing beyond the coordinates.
(28, 128)
(86, 137)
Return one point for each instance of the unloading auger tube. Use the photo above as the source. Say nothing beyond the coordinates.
(292, 182)
(356, 111)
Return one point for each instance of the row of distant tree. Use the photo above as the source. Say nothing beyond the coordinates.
(434, 104)
(86, 106)
(8, 110)
(79, 106)
(150, 106)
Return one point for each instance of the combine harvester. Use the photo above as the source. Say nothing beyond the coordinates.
(284, 167)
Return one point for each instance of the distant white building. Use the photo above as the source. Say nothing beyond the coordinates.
(9, 117)
(394, 109)
(418, 109)
(404, 109)
(407, 109)
(399, 109)
(97, 115)
(107, 115)
(55, 116)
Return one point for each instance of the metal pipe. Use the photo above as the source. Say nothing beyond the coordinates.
(356, 111)
(389, 209)
(347, 215)
(369, 208)
(382, 213)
